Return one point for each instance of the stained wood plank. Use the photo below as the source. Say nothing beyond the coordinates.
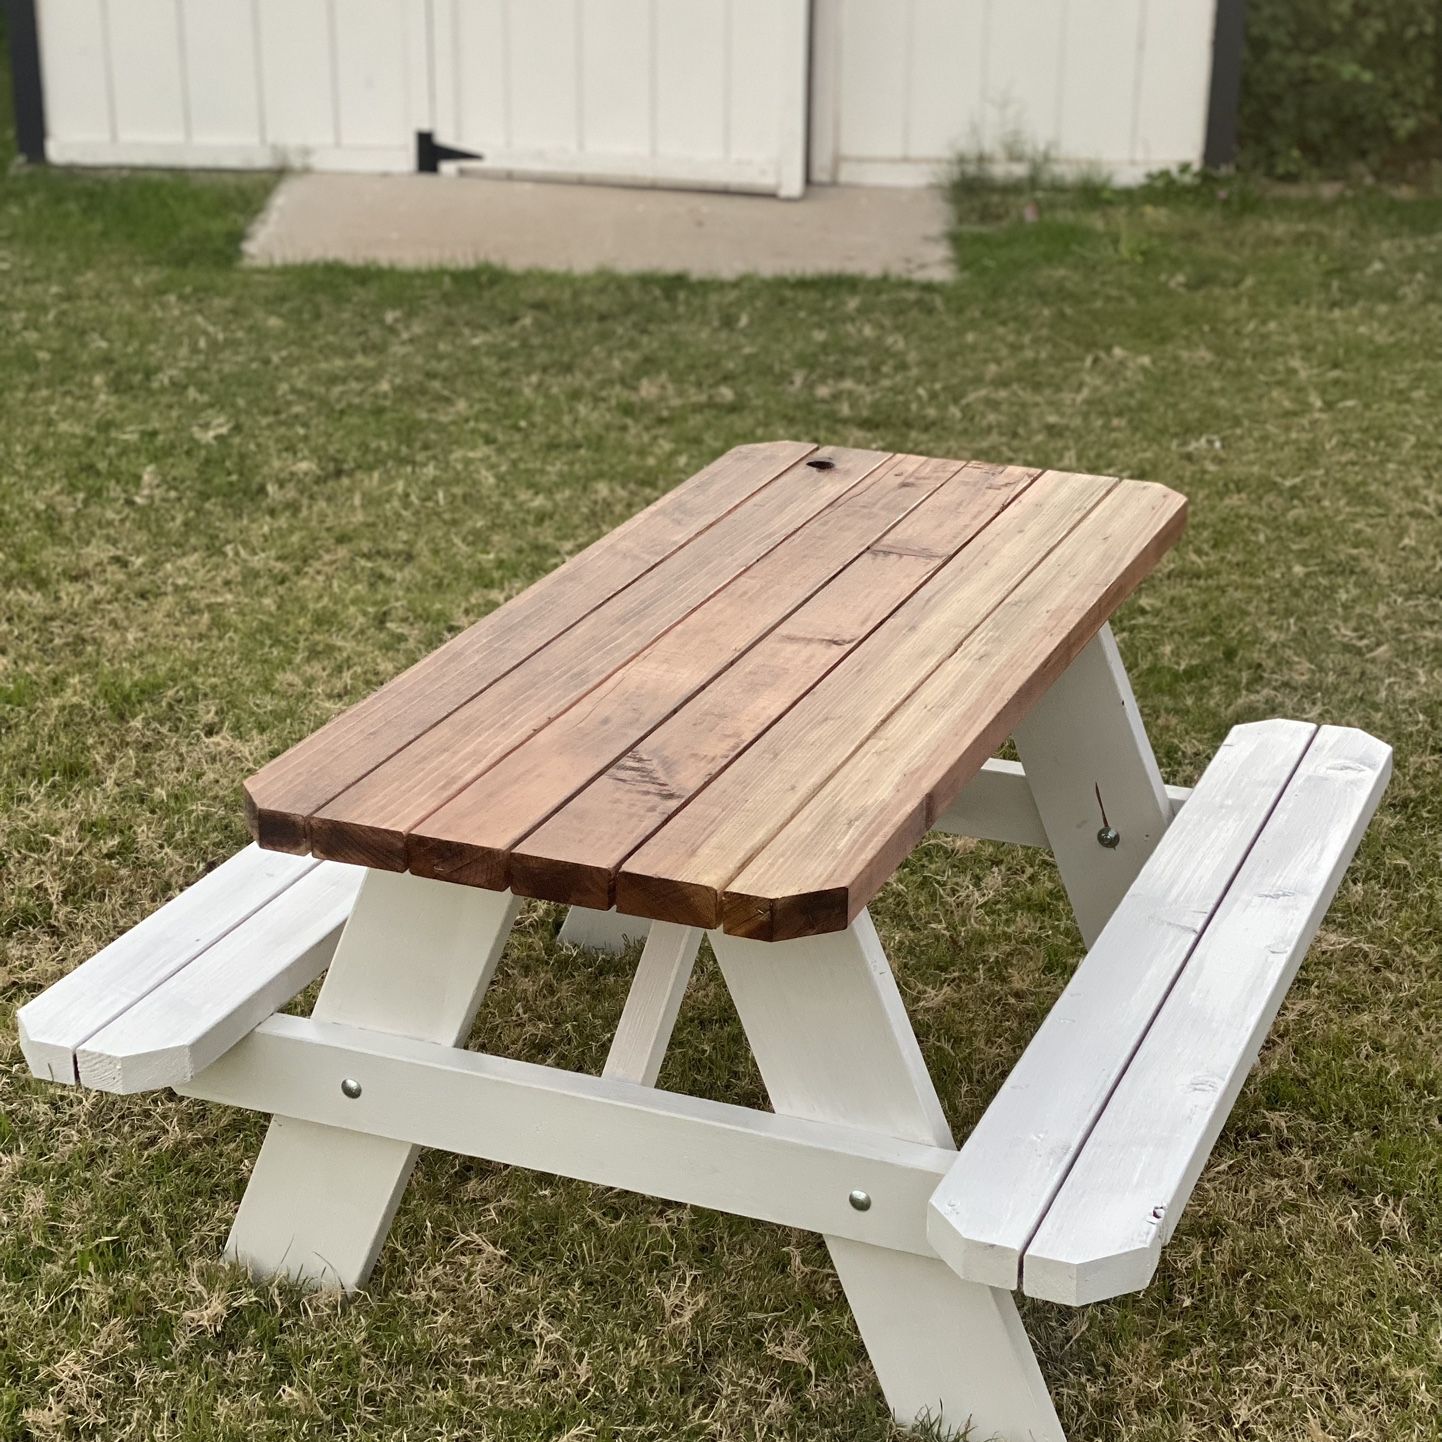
(282, 795)
(368, 822)
(680, 873)
(1123, 1198)
(847, 838)
(579, 850)
(1017, 1156)
(470, 838)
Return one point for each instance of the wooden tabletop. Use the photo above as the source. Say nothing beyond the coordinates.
(743, 707)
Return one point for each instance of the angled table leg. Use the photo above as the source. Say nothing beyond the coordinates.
(653, 1003)
(415, 960)
(601, 930)
(832, 1040)
(1091, 771)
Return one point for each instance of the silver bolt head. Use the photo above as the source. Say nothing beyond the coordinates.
(1109, 837)
(350, 1087)
(860, 1200)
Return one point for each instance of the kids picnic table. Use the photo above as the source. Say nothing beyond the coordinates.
(736, 715)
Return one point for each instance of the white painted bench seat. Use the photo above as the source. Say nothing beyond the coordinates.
(174, 993)
(1077, 1173)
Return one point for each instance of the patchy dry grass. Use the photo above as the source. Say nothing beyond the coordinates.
(232, 501)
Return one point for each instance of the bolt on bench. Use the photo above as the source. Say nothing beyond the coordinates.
(737, 714)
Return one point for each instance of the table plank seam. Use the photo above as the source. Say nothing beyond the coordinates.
(819, 783)
(451, 857)
(278, 830)
(683, 798)
(332, 836)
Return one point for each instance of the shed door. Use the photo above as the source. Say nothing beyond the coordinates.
(705, 93)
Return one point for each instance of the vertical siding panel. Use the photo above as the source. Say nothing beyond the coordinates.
(75, 68)
(543, 65)
(616, 77)
(945, 87)
(370, 41)
(1099, 79)
(444, 64)
(755, 90)
(1176, 73)
(825, 89)
(296, 75)
(691, 88)
(873, 79)
(477, 73)
(220, 72)
(419, 75)
(1023, 72)
(145, 71)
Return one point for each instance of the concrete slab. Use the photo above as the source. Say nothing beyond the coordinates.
(428, 221)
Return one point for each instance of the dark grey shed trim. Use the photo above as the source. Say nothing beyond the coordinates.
(1225, 99)
(24, 38)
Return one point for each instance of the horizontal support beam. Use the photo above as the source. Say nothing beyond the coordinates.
(996, 805)
(786, 1170)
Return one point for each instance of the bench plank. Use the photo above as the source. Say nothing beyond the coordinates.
(1121, 1201)
(209, 1004)
(57, 1022)
(1019, 1153)
(368, 822)
(281, 797)
(934, 509)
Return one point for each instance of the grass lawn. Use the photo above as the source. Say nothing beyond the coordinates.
(231, 502)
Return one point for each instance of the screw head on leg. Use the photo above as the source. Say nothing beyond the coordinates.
(350, 1087)
(1109, 837)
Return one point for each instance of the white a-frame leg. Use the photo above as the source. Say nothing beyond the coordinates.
(414, 960)
(1095, 781)
(832, 1040)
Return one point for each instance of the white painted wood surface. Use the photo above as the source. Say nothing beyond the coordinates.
(1088, 762)
(829, 1031)
(653, 1003)
(615, 1133)
(414, 960)
(1122, 1199)
(997, 805)
(323, 84)
(63, 1018)
(601, 930)
(1018, 1155)
(710, 93)
(208, 1005)
(900, 86)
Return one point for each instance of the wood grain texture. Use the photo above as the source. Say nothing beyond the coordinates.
(470, 837)
(669, 724)
(282, 795)
(770, 817)
(905, 526)
(368, 822)
(840, 848)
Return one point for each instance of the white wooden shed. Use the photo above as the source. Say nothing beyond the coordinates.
(759, 95)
